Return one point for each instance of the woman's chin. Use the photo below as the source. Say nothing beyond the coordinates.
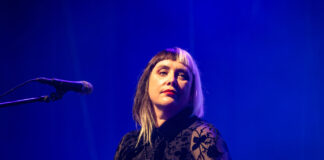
(167, 105)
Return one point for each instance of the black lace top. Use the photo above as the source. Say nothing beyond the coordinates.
(181, 137)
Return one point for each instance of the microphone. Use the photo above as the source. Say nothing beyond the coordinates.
(83, 87)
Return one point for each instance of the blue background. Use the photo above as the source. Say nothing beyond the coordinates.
(261, 66)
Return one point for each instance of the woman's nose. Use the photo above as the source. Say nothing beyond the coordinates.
(172, 79)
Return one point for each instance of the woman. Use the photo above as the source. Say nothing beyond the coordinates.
(168, 105)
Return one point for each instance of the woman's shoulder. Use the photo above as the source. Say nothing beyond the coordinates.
(126, 145)
(206, 142)
(203, 125)
(130, 138)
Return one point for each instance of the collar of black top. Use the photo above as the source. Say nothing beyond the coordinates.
(176, 124)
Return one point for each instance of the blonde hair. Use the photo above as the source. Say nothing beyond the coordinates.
(143, 112)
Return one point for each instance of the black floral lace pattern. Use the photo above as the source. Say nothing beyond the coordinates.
(184, 137)
(207, 143)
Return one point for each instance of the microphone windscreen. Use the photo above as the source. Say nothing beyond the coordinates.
(87, 87)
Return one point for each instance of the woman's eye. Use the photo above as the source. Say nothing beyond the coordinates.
(183, 76)
(163, 73)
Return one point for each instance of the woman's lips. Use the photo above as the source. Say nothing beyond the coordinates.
(169, 93)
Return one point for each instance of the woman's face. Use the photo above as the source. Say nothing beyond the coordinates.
(170, 85)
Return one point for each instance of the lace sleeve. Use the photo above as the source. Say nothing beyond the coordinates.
(119, 149)
(207, 144)
(126, 147)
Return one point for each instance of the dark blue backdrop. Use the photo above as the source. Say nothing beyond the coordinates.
(261, 66)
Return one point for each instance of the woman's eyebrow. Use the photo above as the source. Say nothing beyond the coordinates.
(162, 66)
(183, 70)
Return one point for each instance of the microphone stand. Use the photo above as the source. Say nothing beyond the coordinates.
(47, 98)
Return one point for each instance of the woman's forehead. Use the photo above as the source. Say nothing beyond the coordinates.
(168, 63)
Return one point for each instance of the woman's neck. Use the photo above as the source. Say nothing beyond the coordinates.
(162, 116)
